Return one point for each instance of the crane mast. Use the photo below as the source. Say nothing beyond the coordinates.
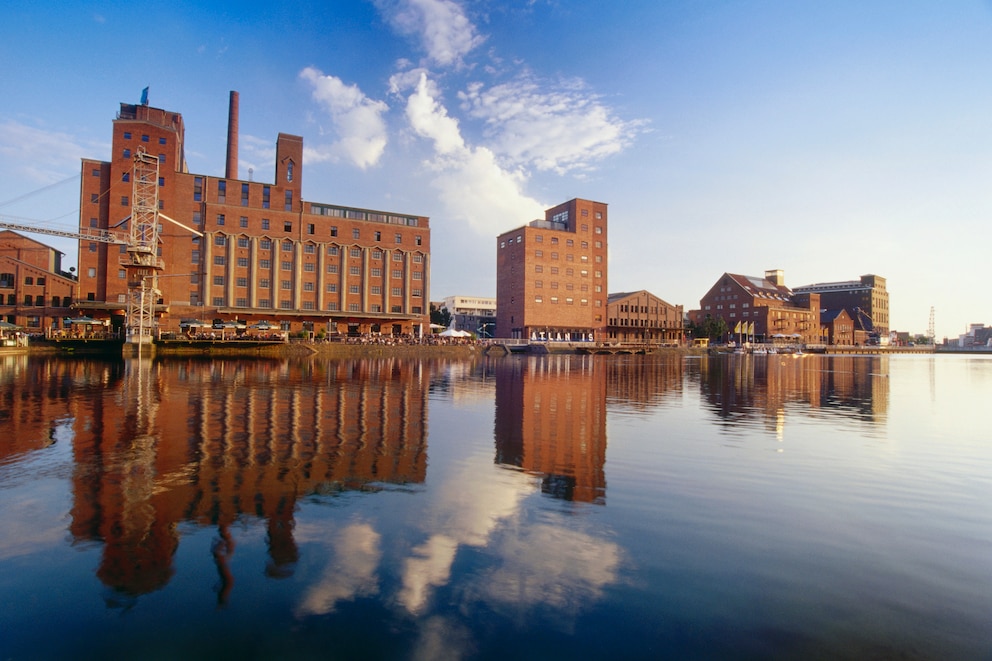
(142, 263)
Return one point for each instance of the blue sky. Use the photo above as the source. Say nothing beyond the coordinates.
(828, 139)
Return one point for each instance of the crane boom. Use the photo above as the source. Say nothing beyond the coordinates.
(100, 236)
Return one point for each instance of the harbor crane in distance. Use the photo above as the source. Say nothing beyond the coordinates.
(141, 263)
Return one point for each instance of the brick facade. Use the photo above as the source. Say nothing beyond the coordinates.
(643, 318)
(35, 293)
(264, 253)
(551, 275)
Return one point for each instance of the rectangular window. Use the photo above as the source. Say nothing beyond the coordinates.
(243, 221)
(395, 291)
(307, 286)
(287, 266)
(265, 223)
(218, 280)
(309, 249)
(353, 289)
(219, 260)
(265, 263)
(285, 284)
(397, 274)
(332, 268)
(243, 262)
(194, 257)
(334, 231)
(265, 244)
(309, 267)
(242, 241)
(332, 250)
(332, 288)
(265, 198)
(241, 302)
(287, 227)
(220, 219)
(222, 191)
(263, 283)
(376, 273)
(310, 228)
(220, 240)
(242, 282)
(289, 200)
(355, 233)
(244, 195)
(354, 270)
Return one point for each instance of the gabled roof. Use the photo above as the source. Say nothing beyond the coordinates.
(619, 296)
(827, 316)
(761, 287)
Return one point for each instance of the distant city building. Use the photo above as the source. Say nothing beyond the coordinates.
(867, 295)
(643, 318)
(978, 335)
(474, 314)
(551, 275)
(257, 251)
(35, 293)
(766, 303)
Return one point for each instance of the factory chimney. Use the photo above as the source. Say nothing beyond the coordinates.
(232, 137)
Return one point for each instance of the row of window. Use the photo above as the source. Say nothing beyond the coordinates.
(144, 137)
(333, 306)
(568, 272)
(7, 280)
(57, 301)
(539, 284)
(308, 248)
(568, 300)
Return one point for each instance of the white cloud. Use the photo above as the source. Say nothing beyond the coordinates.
(445, 33)
(562, 129)
(354, 557)
(473, 187)
(357, 120)
(568, 580)
(42, 156)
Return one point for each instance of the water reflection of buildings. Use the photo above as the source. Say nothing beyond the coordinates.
(743, 386)
(213, 441)
(642, 383)
(551, 419)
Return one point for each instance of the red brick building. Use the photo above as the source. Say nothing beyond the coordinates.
(767, 303)
(866, 301)
(249, 250)
(551, 275)
(35, 293)
(643, 318)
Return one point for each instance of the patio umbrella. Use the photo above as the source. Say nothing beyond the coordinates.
(86, 321)
(6, 325)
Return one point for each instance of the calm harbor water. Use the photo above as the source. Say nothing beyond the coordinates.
(731, 507)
